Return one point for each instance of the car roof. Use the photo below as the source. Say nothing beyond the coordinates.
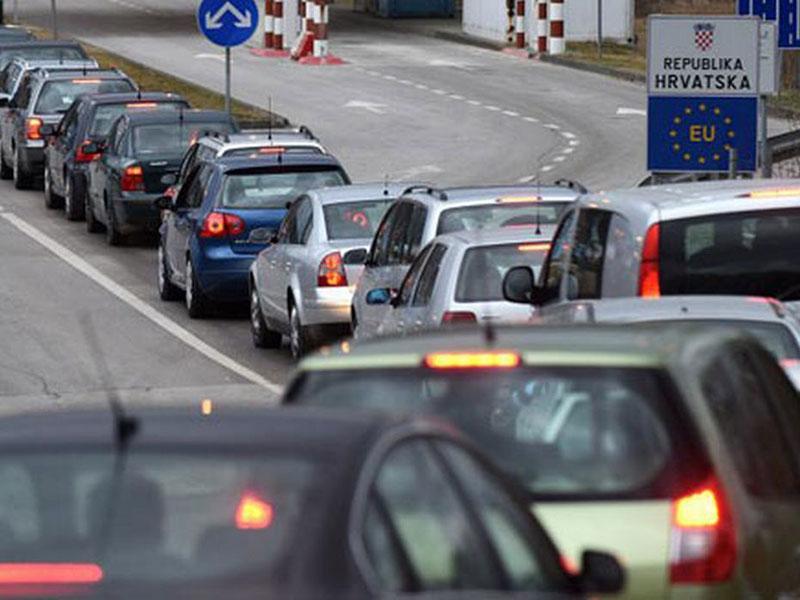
(357, 192)
(13, 45)
(687, 308)
(650, 345)
(91, 73)
(227, 164)
(191, 115)
(49, 63)
(455, 196)
(120, 97)
(491, 237)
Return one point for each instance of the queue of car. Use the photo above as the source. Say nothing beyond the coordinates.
(549, 393)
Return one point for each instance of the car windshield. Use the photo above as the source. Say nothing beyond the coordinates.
(354, 220)
(498, 214)
(483, 269)
(172, 139)
(106, 114)
(753, 253)
(36, 52)
(171, 519)
(276, 189)
(573, 432)
(58, 96)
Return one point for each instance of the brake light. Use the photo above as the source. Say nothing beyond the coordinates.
(790, 363)
(541, 247)
(49, 573)
(271, 150)
(220, 225)
(81, 156)
(703, 545)
(649, 284)
(132, 179)
(331, 271)
(472, 360)
(458, 316)
(519, 199)
(775, 193)
(33, 128)
(253, 513)
(141, 105)
(86, 81)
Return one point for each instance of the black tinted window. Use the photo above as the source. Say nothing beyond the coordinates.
(398, 235)
(427, 280)
(586, 259)
(172, 138)
(57, 96)
(412, 277)
(554, 266)
(105, 114)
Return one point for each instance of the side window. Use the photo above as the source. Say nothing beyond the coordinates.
(383, 548)
(554, 266)
(750, 427)
(121, 141)
(288, 226)
(304, 220)
(620, 273)
(433, 529)
(23, 96)
(410, 281)
(380, 245)
(70, 126)
(414, 233)
(586, 258)
(427, 280)
(398, 235)
(198, 191)
(188, 162)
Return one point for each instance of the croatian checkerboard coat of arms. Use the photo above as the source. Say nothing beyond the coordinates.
(704, 36)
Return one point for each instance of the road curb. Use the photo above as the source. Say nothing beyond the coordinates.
(468, 40)
(597, 69)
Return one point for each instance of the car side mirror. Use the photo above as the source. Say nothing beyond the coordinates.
(379, 296)
(169, 179)
(601, 573)
(358, 256)
(47, 130)
(163, 203)
(519, 285)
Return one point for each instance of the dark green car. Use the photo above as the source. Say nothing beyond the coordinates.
(675, 448)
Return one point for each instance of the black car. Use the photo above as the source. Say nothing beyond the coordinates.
(207, 502)
(88, 121)
(41, 50)
(140, 157)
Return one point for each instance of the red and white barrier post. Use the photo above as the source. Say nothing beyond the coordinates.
(541, 27)
(519, 24)
(277, 37)
(557, 43)
(308, 19)
(320, 28)
(269, 24)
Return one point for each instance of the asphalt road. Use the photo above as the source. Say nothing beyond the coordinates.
(78, 318)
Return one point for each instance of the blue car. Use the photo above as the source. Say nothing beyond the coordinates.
(227, 211)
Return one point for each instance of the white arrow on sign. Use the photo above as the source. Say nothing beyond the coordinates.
(243, 20)
(372, 107)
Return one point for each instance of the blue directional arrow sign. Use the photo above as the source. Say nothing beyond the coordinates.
(227, 23)
(786, 13)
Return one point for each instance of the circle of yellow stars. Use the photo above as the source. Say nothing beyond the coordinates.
(688, 111)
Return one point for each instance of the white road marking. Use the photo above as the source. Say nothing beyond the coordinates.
(474, 102)
(492, 108)
(574, 142)
(373, 73)
(167, 324)
(568, 151)
(456, 97)
(405, 81)
(439, 92)
(553, 126)
(547, 168)
(568, 135)
(210, 56)
(510, 113)
(638, 112)
(531, 119)
(527, 179)
(559, 159)
(421, 86)
(373, 107)
(390, 77)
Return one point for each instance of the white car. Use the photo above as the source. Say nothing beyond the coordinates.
(458, 278)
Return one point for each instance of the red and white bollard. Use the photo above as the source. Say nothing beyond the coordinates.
(277, 38)
(269, 24)
(308, 16)
(519, 24)
(541, 27)
(320, 28)
(557, 43)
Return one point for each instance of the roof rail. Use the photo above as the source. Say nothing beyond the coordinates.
(307, 132)
(572, 185)
(425, 189)
(213, 133)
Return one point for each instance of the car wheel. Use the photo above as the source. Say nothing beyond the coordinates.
(167, 290)
(113, 236)
(74, 204)
(51, 200)
(6, 172)
(22, 179)
(92, 224)
(263, 337)
(300, 339)
(196, 302)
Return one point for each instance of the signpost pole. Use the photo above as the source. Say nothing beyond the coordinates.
(228, 80)
(2, 14)
(600, 28)
(16, 11)
(766, 167)
(54, 18)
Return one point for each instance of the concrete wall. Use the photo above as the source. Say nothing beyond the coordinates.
(486, 19)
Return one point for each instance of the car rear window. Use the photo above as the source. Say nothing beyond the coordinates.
(168, 139)
(354, 220)
(106, 114)
(34, 52)
(257, 150)
(752, 253)
(58, 96)
(496, 215)
(164, 519)
(562, 432)
(480, 278)
(276, 189)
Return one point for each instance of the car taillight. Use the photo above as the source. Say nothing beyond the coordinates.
(649, 284)
(220, 225)
(459, 316)
(132, 179)
(81, 156)
(253, 513)
(33, 128)
(331, 271)
(49, 573)
(473, 360)
(703, 544)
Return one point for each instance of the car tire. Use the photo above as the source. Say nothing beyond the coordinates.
(196, 303)
(113, 236)
(6, 172)
(51, 199)
(22, 178)
(263, 336)
(92, 224)
(74, 203)
(301, 340)
(167, 290)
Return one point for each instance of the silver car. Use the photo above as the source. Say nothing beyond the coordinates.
(302, 285)
(422, 213)
(13, 72)
(458, 278)
(727, 237)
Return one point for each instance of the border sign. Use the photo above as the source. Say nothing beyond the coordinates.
(785, 13)
(703, 86)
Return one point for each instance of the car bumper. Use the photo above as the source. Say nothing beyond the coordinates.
(32, 156)
(223, 275)
(328, 306)
(137, 212)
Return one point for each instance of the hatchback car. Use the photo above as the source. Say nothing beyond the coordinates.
(302, 285)
(458, 278)
(225, 214)
(57, 50)
(11, 76)
(15, 33)
(676, 446)
(42, 99)
(87, 122)
(423, 212)
(142, 150)
(727, 237)
(205, 502)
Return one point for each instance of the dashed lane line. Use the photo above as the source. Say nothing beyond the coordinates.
(139, 305)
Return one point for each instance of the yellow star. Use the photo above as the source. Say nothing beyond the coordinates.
(688, 110)
(677, 120)
(676, 147)
(702, 108)
(727, 146)
(731, 134)
(717, 111)
(702, 160)
(717, 157)
(687, 156)
(728, 120)
(673, 133)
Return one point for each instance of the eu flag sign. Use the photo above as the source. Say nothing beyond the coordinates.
(696, 133)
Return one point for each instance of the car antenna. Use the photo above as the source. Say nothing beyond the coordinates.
(538, 197)
(489, 334)
(138, 93)
(386, 185)
(271, 116)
